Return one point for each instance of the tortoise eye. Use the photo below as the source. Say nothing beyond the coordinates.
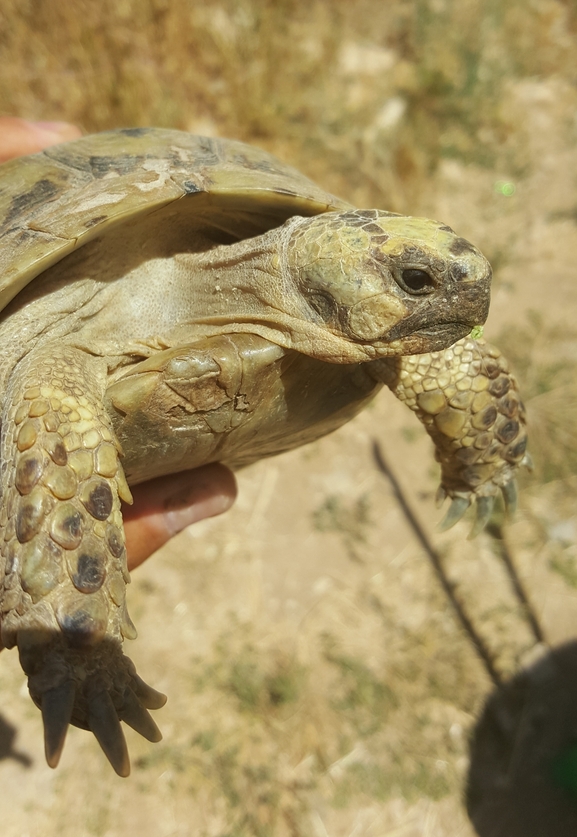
(416, 281)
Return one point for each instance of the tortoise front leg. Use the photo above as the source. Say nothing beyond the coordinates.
(469, 403)
(63, 555)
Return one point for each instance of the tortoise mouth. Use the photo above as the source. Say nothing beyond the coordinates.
(442, 331)
(435, 338)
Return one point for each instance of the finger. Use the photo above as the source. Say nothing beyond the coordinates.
(164, 506)
(19, 137)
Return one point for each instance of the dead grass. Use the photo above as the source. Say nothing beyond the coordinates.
(363, 96)
(409, 106)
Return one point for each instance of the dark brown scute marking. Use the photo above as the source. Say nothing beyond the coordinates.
(78, 627)
(28, 472)
(190, 187)
(58, 454)
(206, 153)
(42, 191)
(468, 455)
(70, 157)
(90, 573)
(114, 540)
(67, 526)
(446, 228)
(507, 432)
(500, 386)
(133, 132)
(489, 416)
(256, 165)
(29, 519)
(517, 451)
(120, 163)
(509, 406)
(99, 500)
(73, 524)
(490, 368)
(94, 221)
(373, 228)
(460, 246)
(382, 238)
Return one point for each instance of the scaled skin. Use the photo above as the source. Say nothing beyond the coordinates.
(164, 506)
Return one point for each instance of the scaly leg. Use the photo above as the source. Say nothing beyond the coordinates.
(469, 404)
(63, 554)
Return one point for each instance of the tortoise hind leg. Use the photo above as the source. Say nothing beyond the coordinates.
(65, 575)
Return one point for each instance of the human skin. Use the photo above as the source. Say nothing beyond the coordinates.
(164, 506)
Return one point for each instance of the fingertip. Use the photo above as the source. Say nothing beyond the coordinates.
(19, 137)
(167, 505)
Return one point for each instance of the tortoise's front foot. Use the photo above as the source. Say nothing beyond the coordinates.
(92, 688)
(503, 483)
(480, 434)
(63, 559)
(469, 403)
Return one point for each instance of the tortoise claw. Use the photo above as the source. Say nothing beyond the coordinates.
(149, 697)
(104, 723)
(485, 504)
(137, 716)
(510, 497)
(484, 512)
(57, 706)
(440, 497)
(528, 463)
(457, 509)
(108, 691)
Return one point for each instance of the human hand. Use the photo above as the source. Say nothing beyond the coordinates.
(164, 506)
(19, 137)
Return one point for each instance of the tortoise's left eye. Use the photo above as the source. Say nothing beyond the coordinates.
(416, 281)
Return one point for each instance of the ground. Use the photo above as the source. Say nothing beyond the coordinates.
(326, 674)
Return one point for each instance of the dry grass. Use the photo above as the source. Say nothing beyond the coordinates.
(365, 96)
(409, 105)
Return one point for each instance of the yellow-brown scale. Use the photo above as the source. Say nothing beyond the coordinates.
(469, 403)
(63, 553)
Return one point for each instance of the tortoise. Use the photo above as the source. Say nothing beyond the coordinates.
(171, 300)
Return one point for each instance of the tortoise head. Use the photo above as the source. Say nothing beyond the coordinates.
(403, 285)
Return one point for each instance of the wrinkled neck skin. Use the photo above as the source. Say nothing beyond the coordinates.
(248, 287)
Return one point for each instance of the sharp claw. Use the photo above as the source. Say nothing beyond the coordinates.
(57, 706)
(104, 723)
(148, 696)
(135, 715)
(527, 461)
(440, 496)
(510, 497)
(484, 512)
(457, 509)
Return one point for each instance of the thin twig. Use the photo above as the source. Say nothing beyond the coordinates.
(447, 585)
(495, 530)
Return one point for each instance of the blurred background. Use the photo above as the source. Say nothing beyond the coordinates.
(326, 675)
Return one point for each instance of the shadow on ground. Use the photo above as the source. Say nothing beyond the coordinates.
(7, 739)
(523, 775)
